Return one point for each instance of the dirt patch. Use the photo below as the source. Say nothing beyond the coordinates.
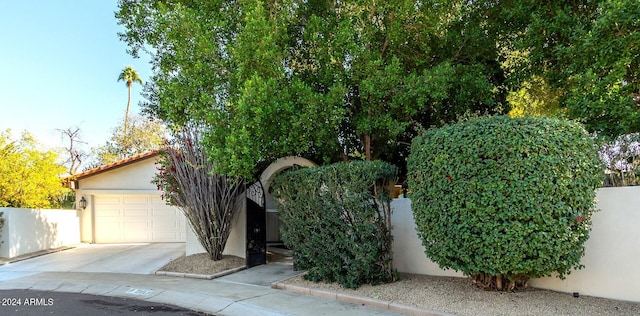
(201, 264)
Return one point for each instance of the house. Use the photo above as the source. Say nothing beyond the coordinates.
(118, 203)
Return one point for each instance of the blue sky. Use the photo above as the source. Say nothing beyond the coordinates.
(59, 65)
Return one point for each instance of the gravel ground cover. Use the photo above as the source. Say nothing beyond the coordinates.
(458, 296)
(455, 296)
(201, 264)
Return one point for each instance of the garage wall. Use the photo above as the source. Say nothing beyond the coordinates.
(130, 218)
(136, 176)
(131, 194)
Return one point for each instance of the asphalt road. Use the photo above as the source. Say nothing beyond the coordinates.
(27, 302)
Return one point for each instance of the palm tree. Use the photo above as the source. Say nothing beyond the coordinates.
(129, 76)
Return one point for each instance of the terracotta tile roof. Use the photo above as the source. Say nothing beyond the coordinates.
(117, 164)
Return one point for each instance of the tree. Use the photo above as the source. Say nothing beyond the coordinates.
(129, 76)
(29, 177)
(142, 136)
(356, 78)
(208, 200)
(75, 156)
(587, 51)
(323, 79)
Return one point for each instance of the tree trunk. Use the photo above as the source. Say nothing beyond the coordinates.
(126, 113)
(367, 146)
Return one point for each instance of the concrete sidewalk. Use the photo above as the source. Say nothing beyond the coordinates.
(244, 293)
(126, 270)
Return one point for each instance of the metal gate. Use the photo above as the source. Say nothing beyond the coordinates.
(256, 225)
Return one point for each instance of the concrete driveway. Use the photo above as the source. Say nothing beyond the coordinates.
(124, 271)
(143, 258)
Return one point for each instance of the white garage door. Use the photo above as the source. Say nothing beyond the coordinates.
(136, 218)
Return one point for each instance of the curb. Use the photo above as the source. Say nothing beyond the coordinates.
(35, 254)
(200, 276)
(355, 299)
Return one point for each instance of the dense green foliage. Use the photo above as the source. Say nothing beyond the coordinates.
(502, 197)
(535, 98)
(320, 79)
(361, 77)
(587, 51)
(336, 218)
(29, 176)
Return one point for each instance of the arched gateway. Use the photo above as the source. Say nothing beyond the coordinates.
(263, 222)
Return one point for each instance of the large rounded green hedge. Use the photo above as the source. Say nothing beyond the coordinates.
(502, 199)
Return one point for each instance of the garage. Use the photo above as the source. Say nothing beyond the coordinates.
(120, 204)
(136, 218)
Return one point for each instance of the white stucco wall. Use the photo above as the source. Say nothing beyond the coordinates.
(237, 242)
(86, 218)
(408, 251)
(612, 253)
(30, 230)
(192, 246)
(136, 176)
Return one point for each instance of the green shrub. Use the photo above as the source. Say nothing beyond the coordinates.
(336, 218)
(504, 200)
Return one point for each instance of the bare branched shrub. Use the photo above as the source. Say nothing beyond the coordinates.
(209, 200)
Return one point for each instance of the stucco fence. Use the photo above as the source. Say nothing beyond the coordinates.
(31, 230)
(612, 253)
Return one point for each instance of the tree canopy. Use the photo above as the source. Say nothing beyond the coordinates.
(587, 51)
(141, 136)
(29, 176)
(329, 79)
(324, 79)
